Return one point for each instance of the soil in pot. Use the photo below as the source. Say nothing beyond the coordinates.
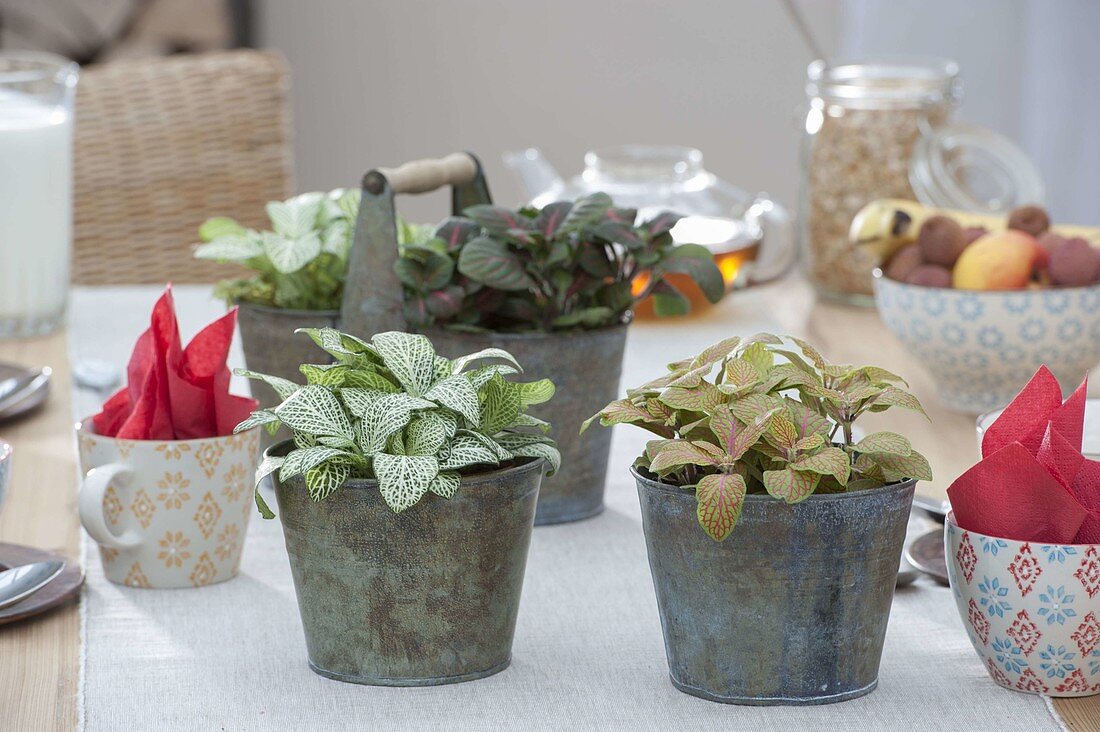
(428, 596)
(791, 608)
(585, 366)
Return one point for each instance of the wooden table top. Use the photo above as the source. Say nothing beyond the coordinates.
(41, 658)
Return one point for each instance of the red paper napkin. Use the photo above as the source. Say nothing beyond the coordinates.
(1033, 483)
(173, 393)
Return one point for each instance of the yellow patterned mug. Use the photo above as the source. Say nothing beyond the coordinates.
(167, 513)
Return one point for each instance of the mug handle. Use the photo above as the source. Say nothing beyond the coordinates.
(92, 490)
(777, 252)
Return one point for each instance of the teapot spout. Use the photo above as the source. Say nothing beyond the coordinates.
(536, 173)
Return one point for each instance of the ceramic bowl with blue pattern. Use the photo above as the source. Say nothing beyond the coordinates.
(982, 347)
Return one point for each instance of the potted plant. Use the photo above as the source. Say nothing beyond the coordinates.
(407, 497)
(556, 287)
(299, 271)
(773, 536)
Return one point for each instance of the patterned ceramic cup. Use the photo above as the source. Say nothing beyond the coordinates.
(1032, 611)
(167, 513)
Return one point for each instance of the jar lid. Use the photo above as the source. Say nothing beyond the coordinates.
(906, 81)
(973, 169)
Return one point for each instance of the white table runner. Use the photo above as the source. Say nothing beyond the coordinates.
(588, 652)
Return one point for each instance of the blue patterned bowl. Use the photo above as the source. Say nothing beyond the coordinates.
(982, 347)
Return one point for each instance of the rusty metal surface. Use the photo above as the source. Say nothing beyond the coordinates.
(428, 596)
(272, 347)
(585, 368)
(373, 296)
(791, 608)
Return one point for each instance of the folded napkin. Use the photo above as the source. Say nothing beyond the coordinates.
(176, 393)
(1033, 483)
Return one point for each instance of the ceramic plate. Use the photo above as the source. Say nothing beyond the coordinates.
(926, 554)
(64, 588)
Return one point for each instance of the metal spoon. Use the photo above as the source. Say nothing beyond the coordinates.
(18, 583)
(907, 573)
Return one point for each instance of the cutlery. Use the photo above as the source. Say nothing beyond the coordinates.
(30, 391)
(18, 583)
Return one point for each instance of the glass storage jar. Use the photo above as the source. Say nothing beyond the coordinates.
(862, 125)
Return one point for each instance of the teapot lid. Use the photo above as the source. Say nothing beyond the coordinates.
(973, 169)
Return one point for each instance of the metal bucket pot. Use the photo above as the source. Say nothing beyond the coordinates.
(791, 608)
(272, 347)
(585, 367)
(428, 596)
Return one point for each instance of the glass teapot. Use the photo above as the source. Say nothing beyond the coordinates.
(752, 237)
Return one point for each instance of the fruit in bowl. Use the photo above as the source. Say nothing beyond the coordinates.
(1025, 306)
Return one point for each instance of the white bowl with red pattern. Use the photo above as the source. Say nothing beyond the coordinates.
(1032, 610)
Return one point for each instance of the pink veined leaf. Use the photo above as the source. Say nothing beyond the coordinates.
(829, 461)
(709, 447)
(750, 434)
(715, 353)
(678, 453)
(693, 377)
(790, 485)
(806, 420)
(701, 398)
(741, 373)
(724, 426)
(720, 499)
(783, 431)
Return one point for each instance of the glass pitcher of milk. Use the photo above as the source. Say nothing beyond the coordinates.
(36, 190)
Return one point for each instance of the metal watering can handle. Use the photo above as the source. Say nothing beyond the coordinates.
(373, 297)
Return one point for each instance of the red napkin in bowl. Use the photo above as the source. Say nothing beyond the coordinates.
(1033, 483)
(176, 393)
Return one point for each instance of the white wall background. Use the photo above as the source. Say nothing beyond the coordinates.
(378, 83)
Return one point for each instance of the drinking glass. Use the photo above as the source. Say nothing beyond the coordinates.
(36, 182)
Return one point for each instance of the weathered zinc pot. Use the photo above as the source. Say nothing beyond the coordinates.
(428, 596)
(586, 365)
(791, 608)
(272, 347)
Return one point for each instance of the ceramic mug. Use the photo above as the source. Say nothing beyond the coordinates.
(167, 513)
(1032, 610)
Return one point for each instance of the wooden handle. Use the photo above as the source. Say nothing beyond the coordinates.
(421, 176)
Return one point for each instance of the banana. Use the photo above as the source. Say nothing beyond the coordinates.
(886, 225)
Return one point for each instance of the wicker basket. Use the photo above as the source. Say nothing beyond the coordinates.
(163, 144)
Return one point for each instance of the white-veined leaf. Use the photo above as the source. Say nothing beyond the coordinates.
(427, 431)
(259, 417)
(535, 392)
(527, 420)
(295, 217)
(290, 255)
(387, 415)
(480, 377)
(359, 401)
(322, 480)
(532, 446)
(445, 484)
(466, 450)
(500, 404)
(283, 387)
(316, 410)
(297, 462)
(409, 357)
(403, 479)
(230, 249)
(367, 379)
(457, 393)
(460, 363)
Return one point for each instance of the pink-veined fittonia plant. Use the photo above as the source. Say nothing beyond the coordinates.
(394, 411)
(775, 418)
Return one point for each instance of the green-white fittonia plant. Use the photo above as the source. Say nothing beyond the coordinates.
(568, 265)
(302, 262)
(775, 418)
(394, 411)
